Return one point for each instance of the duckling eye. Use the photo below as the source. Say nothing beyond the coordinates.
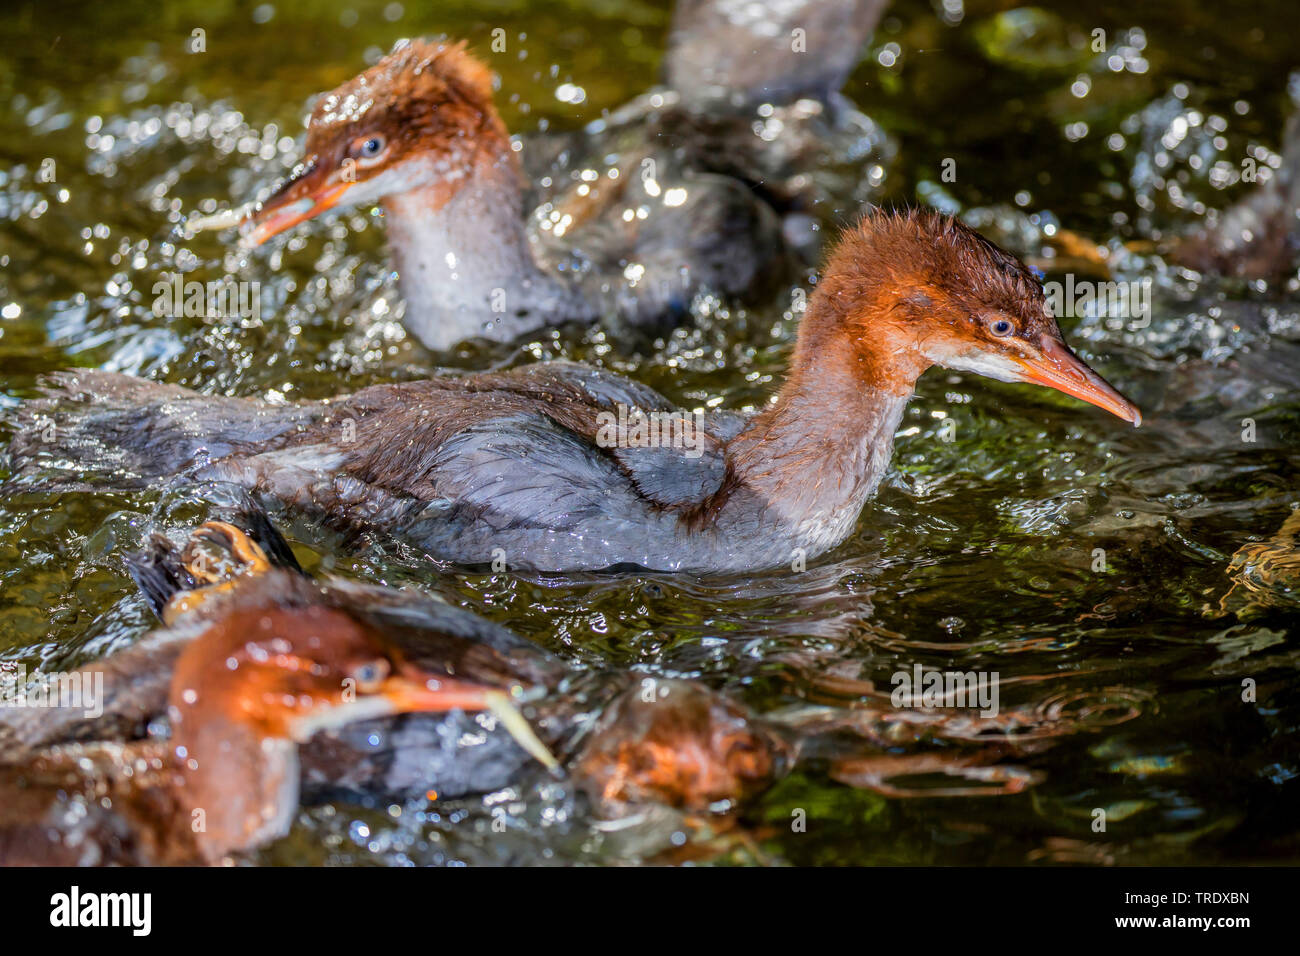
(369, 675)
(370, 147)
(1001, 327)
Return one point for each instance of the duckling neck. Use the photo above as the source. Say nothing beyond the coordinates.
(238, 789)
(814, 457)
(465, 263)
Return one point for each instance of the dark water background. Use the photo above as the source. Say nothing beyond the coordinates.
(979, 553)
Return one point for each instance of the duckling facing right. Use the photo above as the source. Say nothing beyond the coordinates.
(258, 667)
(552, 466)
(340, 682)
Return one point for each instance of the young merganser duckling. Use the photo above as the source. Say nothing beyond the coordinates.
(551, 467)
(256, 672)
(418, 132)
(626, 741)
(691, 749)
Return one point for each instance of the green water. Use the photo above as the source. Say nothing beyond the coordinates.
(981, 552)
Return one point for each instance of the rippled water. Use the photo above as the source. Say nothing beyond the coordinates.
(1122, 686)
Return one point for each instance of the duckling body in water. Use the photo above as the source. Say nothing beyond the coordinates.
(251, 671)
(550, 467)
(238, 616)
(419, 134)
(229, 671)
(714, 183)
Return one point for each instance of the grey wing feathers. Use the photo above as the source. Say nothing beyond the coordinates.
(94, 426)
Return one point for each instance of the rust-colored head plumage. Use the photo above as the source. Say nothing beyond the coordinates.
(284, 669)
(275, 657)
(421, 118)
(921, 264)
(906, 290)
(422, 96)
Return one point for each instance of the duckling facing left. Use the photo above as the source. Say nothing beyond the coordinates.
(418, 133)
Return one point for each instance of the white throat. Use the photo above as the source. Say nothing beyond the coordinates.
(467, 269)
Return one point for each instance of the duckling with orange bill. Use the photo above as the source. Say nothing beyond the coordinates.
(534, 462)
(261, 666)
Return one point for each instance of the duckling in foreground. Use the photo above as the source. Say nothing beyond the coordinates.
(253, 669)
(277, 685)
